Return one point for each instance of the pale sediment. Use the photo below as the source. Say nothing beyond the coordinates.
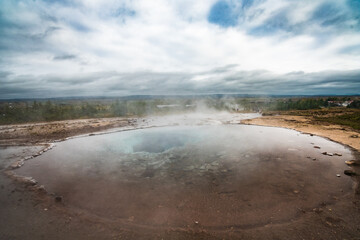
(344, 135)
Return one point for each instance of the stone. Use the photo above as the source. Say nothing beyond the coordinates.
(328, 154)
(352, 163)
(17, 164)
(29, 181)
(317, 210)
(350, 173)
(58, 199)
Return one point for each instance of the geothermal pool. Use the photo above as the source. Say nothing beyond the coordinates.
(214, 176)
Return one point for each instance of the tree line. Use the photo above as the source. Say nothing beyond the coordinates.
(37, 111)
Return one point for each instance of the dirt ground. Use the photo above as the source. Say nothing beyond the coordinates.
(33, 133)
(307, 124)
(28, 213)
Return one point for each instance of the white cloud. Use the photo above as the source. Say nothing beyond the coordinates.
(165, 36)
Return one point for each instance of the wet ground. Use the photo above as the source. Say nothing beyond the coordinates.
(219, 180)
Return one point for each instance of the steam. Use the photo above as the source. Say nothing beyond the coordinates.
(201, 112)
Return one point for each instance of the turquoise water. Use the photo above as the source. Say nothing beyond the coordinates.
(156, 140)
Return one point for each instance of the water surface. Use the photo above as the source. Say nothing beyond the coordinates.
(218, 176)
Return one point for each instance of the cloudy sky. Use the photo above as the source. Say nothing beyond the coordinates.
(54, 48)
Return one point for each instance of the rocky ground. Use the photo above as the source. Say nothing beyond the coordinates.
(33, 133)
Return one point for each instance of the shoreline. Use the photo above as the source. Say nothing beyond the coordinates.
(336, 133)
(46, 132)
(29, 134)
(46, 138)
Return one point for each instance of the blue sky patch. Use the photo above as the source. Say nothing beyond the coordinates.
(246, 3)
(222, 14)
(124, 12)
(278, 22)
(329, 14)
(351, 50)
(79, 26)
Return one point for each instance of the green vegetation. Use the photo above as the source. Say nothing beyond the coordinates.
(283, 104)
(38, 111)
(45, 110)
(348, 119)
(355, 104)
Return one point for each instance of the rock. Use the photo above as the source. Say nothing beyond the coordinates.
(328, 223)
(318, 210)
(350, 173)
(317, 147)
(354, 136)
(58, 199)
(17, 164)
(352, 163)
(338, 154)
(29, 181)
(41, 189)
(338, 175)
(326, 153)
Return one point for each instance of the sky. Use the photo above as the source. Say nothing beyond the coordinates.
(63, 48)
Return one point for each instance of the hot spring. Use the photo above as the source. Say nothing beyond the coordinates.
(214, 176)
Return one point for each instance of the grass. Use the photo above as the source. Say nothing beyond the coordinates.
(341, 116)
(348, 119)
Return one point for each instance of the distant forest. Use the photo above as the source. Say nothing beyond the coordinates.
(52, 110)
